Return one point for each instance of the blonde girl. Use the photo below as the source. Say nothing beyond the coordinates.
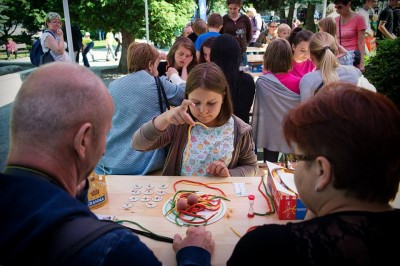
(283, 31)
(323, 51)
(328, 25)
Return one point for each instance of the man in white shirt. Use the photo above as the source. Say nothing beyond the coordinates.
(367, 11)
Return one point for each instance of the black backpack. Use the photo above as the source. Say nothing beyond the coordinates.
(36, 54)
(263, 25)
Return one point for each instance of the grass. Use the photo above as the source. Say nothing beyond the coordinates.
(3, 56)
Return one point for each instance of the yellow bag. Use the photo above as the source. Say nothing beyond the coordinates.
(97, 194)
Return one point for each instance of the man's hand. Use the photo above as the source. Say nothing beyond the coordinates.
(195, 236)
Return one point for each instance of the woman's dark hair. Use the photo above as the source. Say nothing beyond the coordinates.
(226, 53)
(207, 43)
(299, 35)
(357, 131)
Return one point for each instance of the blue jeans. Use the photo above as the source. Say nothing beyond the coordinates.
(84, 53)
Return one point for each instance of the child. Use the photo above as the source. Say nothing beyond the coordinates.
(328, 25)
(214, 24)
(276, 93)
(299, 39)
(205, 50)
(283, 31)
(226, 54)
(181, 56)
(205, 138)
(323, 50)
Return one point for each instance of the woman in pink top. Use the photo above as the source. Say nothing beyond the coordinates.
(299, 39)
(351, 31)
(11, 48)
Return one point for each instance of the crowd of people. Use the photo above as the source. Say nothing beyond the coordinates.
(197, 113)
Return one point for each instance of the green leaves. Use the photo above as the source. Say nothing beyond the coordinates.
(384, 68)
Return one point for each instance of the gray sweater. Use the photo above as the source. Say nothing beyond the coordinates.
(244, 158)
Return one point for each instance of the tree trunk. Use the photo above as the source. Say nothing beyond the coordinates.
(309, 23)
(127, 39)
(282, 14)
(292, 5)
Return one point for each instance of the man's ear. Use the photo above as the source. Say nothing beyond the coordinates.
(82, 139)
(324, 173)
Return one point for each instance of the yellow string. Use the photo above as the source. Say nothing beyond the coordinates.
(235, 232)
(188, 145)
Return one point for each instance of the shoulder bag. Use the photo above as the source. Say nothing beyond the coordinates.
(161, 95)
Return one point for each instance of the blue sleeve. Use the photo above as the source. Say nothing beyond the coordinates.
(197, 43)
(175, 93)
(194, 256)
(118, 247)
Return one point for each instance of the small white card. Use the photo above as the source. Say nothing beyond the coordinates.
(240, 189)
(105, 217)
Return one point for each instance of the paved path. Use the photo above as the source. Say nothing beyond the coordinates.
(9, 91)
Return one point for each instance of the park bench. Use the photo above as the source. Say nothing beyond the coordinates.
(21, 47)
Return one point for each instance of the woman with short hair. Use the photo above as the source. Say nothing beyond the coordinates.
(136, 101)
(53, 38)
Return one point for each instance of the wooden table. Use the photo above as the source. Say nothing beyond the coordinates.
(255, 58)
(256, 50)
(119, 190)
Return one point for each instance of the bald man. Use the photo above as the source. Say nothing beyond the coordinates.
(59, 124)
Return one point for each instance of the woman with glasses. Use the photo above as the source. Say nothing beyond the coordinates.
(53, 38)
(348, 171)
(351, 31)
(268, 35)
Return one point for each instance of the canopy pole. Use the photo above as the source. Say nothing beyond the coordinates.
(69, 32)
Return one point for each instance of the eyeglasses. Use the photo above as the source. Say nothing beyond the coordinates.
(339, 7)
(274, 26)
(302, 157)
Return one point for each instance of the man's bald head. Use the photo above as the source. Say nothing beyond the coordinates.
(54, 99)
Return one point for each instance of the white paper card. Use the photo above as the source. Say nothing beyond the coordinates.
(288, 179)
(240, 189)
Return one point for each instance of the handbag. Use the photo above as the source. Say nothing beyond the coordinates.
(161, 95)
(46, 58)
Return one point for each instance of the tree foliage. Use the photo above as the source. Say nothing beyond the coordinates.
(166, 17)
(22, 13)
(384, 68)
